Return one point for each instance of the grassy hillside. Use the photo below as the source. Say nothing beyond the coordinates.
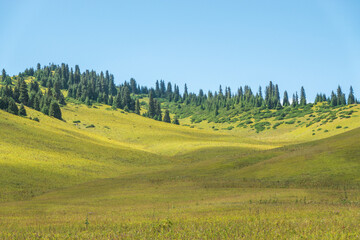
(110, 174)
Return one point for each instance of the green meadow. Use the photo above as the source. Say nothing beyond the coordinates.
(109, 174)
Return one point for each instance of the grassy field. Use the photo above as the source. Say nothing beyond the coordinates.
(105, 174)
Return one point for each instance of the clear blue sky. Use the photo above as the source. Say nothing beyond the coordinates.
(314, 43)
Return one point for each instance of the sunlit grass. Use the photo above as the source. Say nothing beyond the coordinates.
(133, 177)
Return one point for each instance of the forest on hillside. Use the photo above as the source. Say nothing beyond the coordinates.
(90, 87)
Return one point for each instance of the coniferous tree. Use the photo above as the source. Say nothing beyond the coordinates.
(87, 101)
(3, 76)
(158, 111)
(176, 120)
(54, 110)
(340, 97)
(36, 104)
(216, 110)
(133, 87)
(24, 96)
(118, 100)
(22, 111)
(16, 93)
(137, 107)
(126, 99)
(4, 103)
(12, 107)
(167, 117)
(111, 100)
(157, 89)
(302, 97)
(294, 101)
(185, 91)
(152, 107)
(286, 99)
(333, 99)
(351, 97)
(169, 91)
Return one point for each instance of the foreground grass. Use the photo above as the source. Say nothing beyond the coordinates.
(184, 210)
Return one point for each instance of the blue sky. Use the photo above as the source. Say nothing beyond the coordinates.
(314, 43)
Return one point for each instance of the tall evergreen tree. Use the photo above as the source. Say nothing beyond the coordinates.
(22, 111)
(3, 75)
(24, 96)
(333, 99)
(12, 107)
(158, 111)
(137, 107)
(176, 120)
(152, 107)
(340, 97)
(294, 102)
(185, 91)
(351, 97)
(54, 110)
(302, 97)
(286, 99)
(167, 117)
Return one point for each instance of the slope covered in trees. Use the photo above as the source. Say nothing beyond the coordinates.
(90, 87)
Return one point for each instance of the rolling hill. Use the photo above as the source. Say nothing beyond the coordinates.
(104, 173)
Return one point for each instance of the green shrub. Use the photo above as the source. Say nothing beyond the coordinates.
(277, 124)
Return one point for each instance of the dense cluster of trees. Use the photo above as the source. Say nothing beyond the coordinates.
(30, 96)
(245, 98)
(338, 98)
(90, 86)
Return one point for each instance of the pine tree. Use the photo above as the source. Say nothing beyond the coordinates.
(167, 117)
(294, 101)
(169, 91)
(87, 101)
(286, 99)
(351, 97)
(118, 100)
(36, 104)
(12, 107)
(24, 96)
(176, 120)
(22, 111)
(133, 87)
(137, 107)
(216, 110)
(158, 111)
(111, 100)
(3, 103)
(152, 107)
(16, 93)
(3, 76)
(185, 91)
(302, 97)
(340, 97)
(126, 98)
(162, 88)
(55, 110)
(157, 89)
(333, 100)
